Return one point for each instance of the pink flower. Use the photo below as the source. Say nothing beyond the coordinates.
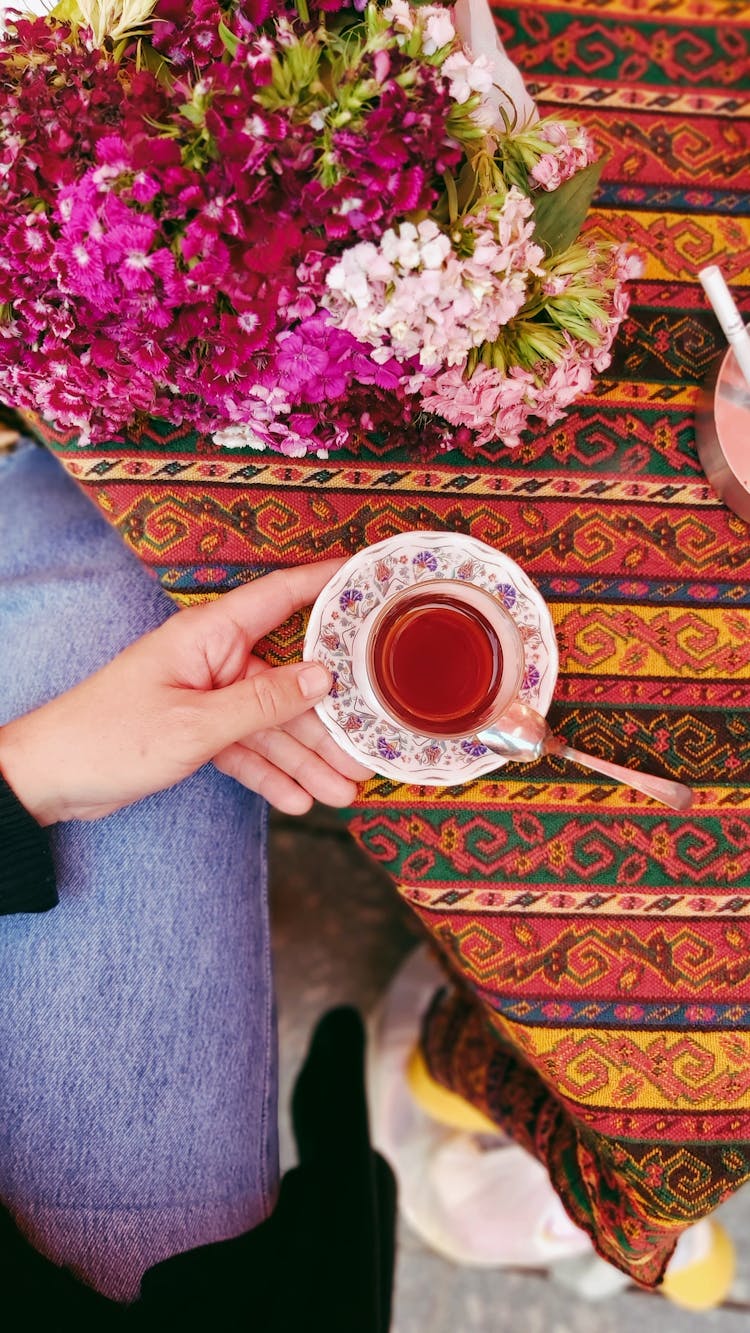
(492, 405)
(571, 149)
(412, 296)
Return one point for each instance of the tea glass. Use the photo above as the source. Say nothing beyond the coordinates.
(453, 594)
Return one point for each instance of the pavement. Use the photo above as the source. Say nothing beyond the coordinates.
(340, 932)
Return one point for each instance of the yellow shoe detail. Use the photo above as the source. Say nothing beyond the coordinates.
(442, 1105)
(704, 1284)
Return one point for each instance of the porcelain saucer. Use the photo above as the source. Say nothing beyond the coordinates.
(360, 588)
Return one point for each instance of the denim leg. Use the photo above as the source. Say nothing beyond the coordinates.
(137, 1032)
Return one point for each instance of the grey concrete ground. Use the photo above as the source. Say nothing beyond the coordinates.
(340, 933)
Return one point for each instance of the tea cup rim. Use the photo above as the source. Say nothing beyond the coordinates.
(496, 607)
(362, 583)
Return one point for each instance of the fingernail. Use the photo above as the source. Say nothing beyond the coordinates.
(313, 680)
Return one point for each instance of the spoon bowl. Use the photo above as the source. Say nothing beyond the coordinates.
(522, 736)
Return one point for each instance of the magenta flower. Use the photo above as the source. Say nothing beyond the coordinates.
(297, 362)
(249, 235)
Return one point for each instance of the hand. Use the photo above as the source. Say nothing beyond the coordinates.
(186, 693)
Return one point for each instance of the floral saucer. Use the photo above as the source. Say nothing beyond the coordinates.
(360, 588)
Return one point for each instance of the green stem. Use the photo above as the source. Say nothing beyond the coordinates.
(450, 189)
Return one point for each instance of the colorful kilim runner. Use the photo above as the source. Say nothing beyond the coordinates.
(607, 938)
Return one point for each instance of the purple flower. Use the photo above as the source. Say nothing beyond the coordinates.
(531, 677)
(507, 594)
(474, 748)
(349, 597)
(425, 560)
(386, 749)
(386, 375)
(299, 361)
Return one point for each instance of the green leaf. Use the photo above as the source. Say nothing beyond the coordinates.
(466, 187)
(559, 214)
(228, 38)
(148, 58)
(195, 114)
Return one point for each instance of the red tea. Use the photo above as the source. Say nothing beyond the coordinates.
(436, 663)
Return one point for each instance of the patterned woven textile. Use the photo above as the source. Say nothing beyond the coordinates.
(607, 939)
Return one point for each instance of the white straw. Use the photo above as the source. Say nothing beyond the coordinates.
(722, 303)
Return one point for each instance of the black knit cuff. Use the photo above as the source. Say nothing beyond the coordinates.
(27, 872)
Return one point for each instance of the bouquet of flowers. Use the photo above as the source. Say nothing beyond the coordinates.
(291, 224)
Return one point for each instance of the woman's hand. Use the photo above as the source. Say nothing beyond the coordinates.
(186, 693)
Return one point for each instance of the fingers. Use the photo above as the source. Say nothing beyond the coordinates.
(265, 603)
(304, 766)
(309, 730)
(292, 764)
(256, 773)
(266, 699)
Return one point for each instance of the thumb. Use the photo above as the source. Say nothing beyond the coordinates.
(266, 699)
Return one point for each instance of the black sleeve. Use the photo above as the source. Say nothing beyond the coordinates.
(27, 873)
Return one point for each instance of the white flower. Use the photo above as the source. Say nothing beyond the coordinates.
(412, 297)
(401, 247)
(400, 15)
(439, 30)
(350, 275)
(238, 437)
(467, 76)
(435, 252)
(114, 18)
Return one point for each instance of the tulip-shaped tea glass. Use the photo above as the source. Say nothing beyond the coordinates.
(442, 658)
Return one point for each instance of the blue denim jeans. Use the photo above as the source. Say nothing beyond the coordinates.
(137, 1031)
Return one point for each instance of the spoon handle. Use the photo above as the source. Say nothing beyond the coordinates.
(674, 794)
